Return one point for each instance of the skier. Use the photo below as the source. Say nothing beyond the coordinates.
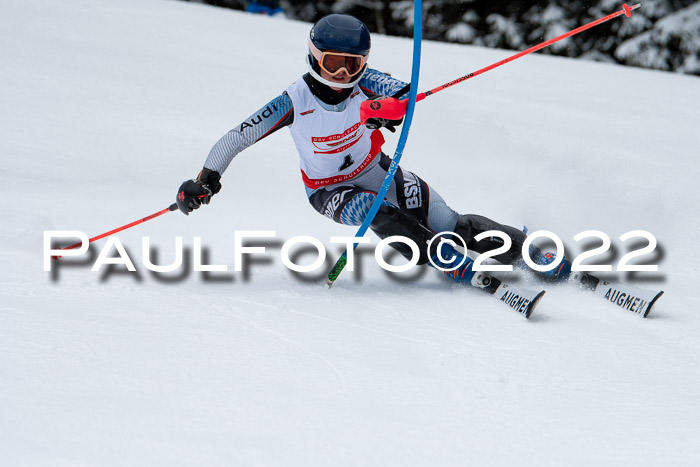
(341, 160)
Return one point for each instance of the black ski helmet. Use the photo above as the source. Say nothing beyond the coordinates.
(340, 33)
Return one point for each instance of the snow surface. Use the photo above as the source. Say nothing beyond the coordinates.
(107, 106)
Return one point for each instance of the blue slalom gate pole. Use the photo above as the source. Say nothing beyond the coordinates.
(415, 71)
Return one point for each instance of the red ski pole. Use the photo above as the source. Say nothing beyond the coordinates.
(392, 109)
(172, 207)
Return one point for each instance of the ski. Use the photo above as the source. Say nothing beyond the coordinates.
(455, 266)
(625, 296)
(519, 299)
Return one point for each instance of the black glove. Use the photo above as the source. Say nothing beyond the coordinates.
(193, 193)
(376, 123)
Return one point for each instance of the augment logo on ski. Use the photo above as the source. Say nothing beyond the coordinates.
(516, 302)
(626, 301)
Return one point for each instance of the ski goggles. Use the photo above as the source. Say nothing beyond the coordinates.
(334, 62)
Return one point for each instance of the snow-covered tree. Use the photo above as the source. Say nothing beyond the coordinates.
(673, 43)
(662, 34)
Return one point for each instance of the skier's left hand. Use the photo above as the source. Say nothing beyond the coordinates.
(376, 123)
(385, 112)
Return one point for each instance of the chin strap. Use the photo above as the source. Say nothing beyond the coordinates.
(332, 84)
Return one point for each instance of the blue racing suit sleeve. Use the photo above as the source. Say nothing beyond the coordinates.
(375, 83)
(276, 114)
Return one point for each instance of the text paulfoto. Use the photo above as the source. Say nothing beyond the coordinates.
(447, 261)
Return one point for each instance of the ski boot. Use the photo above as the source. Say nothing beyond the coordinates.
(559, 274)
(447, 257)
(584, 280)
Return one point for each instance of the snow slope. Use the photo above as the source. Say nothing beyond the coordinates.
(107, 106)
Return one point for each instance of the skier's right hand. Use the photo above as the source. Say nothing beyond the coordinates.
(193, 193)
